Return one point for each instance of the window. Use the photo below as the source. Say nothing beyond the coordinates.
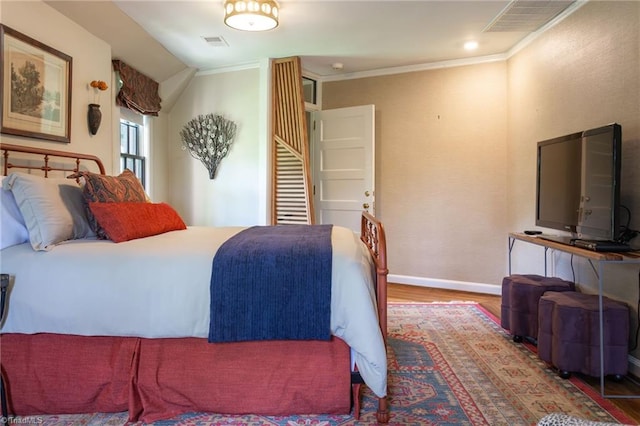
(131, 149)
(309, 90)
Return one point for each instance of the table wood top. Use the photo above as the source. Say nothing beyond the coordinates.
(633, 256)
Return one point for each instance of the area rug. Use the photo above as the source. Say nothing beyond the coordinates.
(449, 364)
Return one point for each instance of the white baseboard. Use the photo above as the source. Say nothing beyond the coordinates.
(446, 284)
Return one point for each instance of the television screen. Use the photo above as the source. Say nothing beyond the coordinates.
(559, 168)
(578, 183)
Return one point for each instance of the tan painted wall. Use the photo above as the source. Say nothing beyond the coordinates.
(583, 73)
(457, 148)
(441, 169)
(456, 156)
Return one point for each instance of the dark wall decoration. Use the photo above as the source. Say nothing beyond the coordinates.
(35, 88)
(208, 139)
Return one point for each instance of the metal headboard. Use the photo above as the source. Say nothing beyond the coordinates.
(46, 155)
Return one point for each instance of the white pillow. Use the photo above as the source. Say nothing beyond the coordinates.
(53, 209)
(13, 230)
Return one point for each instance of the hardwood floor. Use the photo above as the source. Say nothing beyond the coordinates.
(407, 293)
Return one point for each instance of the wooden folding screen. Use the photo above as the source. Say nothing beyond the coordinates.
(292, 192)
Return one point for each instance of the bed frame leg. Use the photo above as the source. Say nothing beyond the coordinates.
(383, 410)
(355, 394)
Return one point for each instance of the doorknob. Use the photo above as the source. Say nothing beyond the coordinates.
(365, 205)
(367, 193)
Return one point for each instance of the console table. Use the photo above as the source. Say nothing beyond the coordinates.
(601, 258)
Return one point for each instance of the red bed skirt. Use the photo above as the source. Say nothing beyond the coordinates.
(157, 379)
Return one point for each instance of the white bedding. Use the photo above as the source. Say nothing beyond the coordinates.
(159, 287)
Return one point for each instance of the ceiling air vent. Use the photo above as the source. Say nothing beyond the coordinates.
(527, 15)
(216, 41)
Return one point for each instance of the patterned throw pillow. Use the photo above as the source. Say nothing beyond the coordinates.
(109, 189)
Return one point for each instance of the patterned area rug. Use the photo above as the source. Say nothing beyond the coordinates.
(449, 364)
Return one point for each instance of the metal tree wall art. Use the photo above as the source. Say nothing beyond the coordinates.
(208, 139)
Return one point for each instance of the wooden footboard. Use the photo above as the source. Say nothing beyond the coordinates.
(373, 235)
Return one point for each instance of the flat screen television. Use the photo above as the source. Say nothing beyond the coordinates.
(578, 183)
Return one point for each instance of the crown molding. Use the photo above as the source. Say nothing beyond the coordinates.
(460, 62)
(231, 68)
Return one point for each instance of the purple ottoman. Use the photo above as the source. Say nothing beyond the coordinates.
(520, 296)
(569, 334)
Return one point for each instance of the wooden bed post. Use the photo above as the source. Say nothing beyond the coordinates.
(373, 235)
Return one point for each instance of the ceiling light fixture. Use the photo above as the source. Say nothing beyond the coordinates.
(471, 45)
(251, 15)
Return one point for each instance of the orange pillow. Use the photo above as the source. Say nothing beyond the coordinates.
(130, 220)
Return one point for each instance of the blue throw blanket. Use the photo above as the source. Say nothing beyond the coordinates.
(272, 283)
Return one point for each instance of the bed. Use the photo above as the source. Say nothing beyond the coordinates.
(98, 326)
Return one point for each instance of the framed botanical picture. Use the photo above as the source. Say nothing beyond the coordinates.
(36, 88)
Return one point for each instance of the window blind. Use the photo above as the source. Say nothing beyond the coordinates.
(137, 91)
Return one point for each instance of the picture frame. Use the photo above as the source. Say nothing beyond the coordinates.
(35, 88)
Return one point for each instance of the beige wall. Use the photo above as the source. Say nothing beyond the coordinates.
(457, 150)
(91, 61)
(238, 194)
(580, 74)
(441, 168)
(457, 147)
(232, 198)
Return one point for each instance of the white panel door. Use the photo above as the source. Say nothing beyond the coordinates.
(343, 165)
